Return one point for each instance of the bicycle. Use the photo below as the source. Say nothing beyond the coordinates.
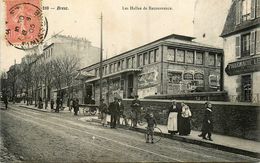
(157, 136)
(89, 110)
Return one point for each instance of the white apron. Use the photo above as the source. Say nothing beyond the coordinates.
(172, 122)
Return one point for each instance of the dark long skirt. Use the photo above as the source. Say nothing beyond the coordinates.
(184, 126)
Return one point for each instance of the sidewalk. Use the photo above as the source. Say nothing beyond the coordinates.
(221, 142)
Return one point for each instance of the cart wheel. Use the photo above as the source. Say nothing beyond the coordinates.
(158, 135)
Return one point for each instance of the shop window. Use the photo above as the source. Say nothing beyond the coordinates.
(246, 84)
(199, 58)
(213, 81)
(198, 76)
(187, 76)
(171, 54)
(180, 56)
(174, 77)
(189, 57)
(211, 58)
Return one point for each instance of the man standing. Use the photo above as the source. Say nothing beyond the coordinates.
(57, 105)
(103, 110)
(136, 105)
(114, 111)
(207, 125)
(121, 111)
(76, 106)
(5, 99)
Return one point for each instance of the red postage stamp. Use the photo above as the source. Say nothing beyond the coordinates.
(25, 25)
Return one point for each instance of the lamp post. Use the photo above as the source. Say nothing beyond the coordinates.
(101, 57)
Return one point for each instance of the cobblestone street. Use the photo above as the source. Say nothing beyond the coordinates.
(48, 137)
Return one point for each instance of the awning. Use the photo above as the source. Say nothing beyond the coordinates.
(116, 73)
(83, 75)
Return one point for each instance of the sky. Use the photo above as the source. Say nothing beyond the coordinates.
(126, 29)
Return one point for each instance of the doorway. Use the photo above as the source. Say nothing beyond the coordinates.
(246, 83)
(130, 86)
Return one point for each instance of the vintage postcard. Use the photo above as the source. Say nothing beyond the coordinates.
(130, 80)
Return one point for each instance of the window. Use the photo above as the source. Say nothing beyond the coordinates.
(180, 56)
(219, 58)
(140, 60)
(188, 76)
(246, 84)
(115, 68)
(189, 57)
(151, 56)
(198, 76)
(246, 10)
(133, 62)
(122, 64)
(212, 59)
(199, 58)
(245, 45)
(129, 62)
(146, 60)
(118, 66)
(156, 55)
(174, 77)
(110, 68)
(171, 54)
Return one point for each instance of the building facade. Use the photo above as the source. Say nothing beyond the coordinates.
(58, 47)
(171, 65)
(241, 36)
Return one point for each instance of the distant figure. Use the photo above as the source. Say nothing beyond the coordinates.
(121, 111)
(57, 105)
(151, 123)
(92, 101)
(76, 106)
(5, 99)
(173, 118)
(52, 104)
(185, 120)
(207, 125)
(114, 111)
(40, 103)
(136, 110)
(103, 111)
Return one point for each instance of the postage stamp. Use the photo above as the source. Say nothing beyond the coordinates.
(25, 25)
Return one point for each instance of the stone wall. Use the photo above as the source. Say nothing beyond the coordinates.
(239, 120)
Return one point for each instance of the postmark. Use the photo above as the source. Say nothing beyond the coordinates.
(25, 25)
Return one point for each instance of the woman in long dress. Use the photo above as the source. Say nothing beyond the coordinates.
(172, 124)
(185, 120)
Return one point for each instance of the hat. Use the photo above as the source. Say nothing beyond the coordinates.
(102, 99)
(136, 96)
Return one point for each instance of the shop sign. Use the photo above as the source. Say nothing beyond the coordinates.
(244, 66)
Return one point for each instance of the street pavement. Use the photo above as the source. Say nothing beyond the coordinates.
(62, 137)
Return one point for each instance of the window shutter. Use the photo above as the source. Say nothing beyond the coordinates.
(238, 12)
(258, 8)
(238, 50)
(257, 42)
(253, 7)
(252, 43)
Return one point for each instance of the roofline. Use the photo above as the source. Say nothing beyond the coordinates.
(239, 30)
(156, 42)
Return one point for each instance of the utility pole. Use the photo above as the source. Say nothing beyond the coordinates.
(101, 57)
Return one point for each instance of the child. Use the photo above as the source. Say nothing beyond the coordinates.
(151, 123)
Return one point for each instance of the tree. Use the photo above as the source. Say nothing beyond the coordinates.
(65, 69)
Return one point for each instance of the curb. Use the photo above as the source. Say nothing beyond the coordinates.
(27, 107)
(198, 142)
(183, 139)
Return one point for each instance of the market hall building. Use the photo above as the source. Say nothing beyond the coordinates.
(241, 36)
(171, 65)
